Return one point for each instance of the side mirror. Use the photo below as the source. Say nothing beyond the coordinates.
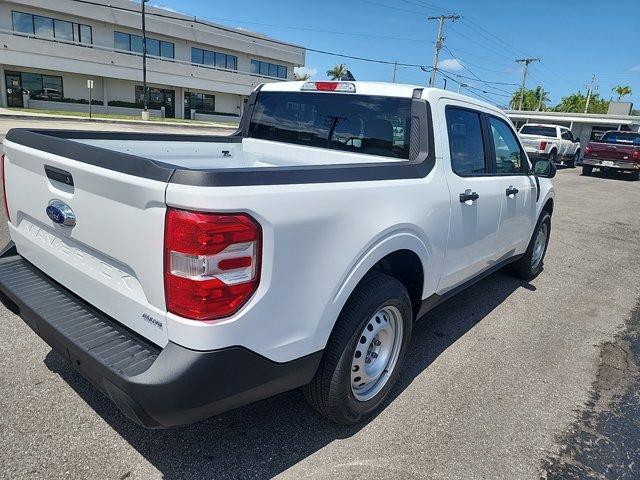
(544, 168)
(577, 140)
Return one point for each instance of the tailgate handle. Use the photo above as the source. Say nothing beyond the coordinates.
(58, 175)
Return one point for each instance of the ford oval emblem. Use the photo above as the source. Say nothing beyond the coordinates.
(61, 213)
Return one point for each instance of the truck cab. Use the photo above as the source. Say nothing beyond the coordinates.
(553, 142)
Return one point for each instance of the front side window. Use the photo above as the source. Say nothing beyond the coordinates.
(363, 124)
(509, 155)
(466, 143)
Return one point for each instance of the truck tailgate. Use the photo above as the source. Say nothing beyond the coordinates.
(609, 151)
(113, 256)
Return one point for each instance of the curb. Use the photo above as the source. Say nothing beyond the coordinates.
(116, 121)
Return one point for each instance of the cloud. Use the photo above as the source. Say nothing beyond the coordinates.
(306, 71)
(452, 64)
(635, 69)
(165, 7)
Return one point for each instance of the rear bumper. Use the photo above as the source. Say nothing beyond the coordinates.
(620, 165)
(154, 387)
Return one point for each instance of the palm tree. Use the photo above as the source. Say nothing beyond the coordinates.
(622, 91)
(337, 72)
(534, 99)
(301, 77)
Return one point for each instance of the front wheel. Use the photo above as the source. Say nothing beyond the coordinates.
(365, 352)
(635, 176)
(531, 263)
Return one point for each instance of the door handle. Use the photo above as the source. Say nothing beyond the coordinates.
(468, 195)
(511, 190)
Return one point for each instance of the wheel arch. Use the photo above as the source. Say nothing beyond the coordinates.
(401, 255)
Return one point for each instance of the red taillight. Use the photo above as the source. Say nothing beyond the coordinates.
(636, 154)
(543, 145)
(212, 263)
(344, 87)
(4, 188)
(587, 150)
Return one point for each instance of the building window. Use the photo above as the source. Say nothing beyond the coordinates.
(268, 69)
(133, 43)
(214, 59)
(41, 87)
(51, 28)
(200, 102)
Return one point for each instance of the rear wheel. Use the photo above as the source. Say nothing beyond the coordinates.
(531, 263)
(365, 352)
(553, 156)
(635, 176)
(587, 170)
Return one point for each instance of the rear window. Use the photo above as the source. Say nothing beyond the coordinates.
(370, 125)
(622, 138)
(538, 131)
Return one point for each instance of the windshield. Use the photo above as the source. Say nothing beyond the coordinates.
(538, 131)
(372, 125)
(622, 138)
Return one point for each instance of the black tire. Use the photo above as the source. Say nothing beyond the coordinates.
(587, 170)
(330, 392)
(525, 268)
(635, 176)
(553, 156)
(574, 160)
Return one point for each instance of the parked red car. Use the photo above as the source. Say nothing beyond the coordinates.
(619, 151)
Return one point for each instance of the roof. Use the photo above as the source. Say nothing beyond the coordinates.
(600, 118)
(387, 89)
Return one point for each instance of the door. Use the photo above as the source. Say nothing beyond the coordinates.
(169, 103)
(566, 142)
(518, 211)
(14, 90)
(476, 198)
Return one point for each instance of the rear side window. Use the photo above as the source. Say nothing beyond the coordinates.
(538, 131)
(372, 125)
(622, 138)
(466, 143)
(509, 156)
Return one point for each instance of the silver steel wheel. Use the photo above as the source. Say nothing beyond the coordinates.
(539, 245)
(376, 353)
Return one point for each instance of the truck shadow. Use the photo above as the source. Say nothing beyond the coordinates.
(266, 438)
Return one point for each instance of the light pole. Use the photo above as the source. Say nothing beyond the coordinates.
(145, 90)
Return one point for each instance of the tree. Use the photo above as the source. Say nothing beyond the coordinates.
(577, 101)
(301, 77)
(534, 99)
(337, 72)
(622, 91)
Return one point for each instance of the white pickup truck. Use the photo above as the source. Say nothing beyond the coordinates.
(552, 142)
(187, 275)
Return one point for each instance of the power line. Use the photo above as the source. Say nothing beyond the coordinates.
(398, 9)
(476, 77)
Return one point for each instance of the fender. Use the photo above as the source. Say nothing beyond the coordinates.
(383, 245)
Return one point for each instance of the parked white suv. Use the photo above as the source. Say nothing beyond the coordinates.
(186, 275)
(552, 142)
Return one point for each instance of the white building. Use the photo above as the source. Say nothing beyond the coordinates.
(585, 126)
(50, 48)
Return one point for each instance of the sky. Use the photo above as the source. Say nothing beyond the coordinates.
(574, 39)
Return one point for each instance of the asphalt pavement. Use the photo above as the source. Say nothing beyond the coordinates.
(505, 380)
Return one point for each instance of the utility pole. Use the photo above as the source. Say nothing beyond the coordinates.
(590, 88)
(145, 90)
(461, 85)
(395, 68)
(540, 95)
(439, 43)
(526, 62)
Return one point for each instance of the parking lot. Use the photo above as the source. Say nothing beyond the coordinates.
(498, 382)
